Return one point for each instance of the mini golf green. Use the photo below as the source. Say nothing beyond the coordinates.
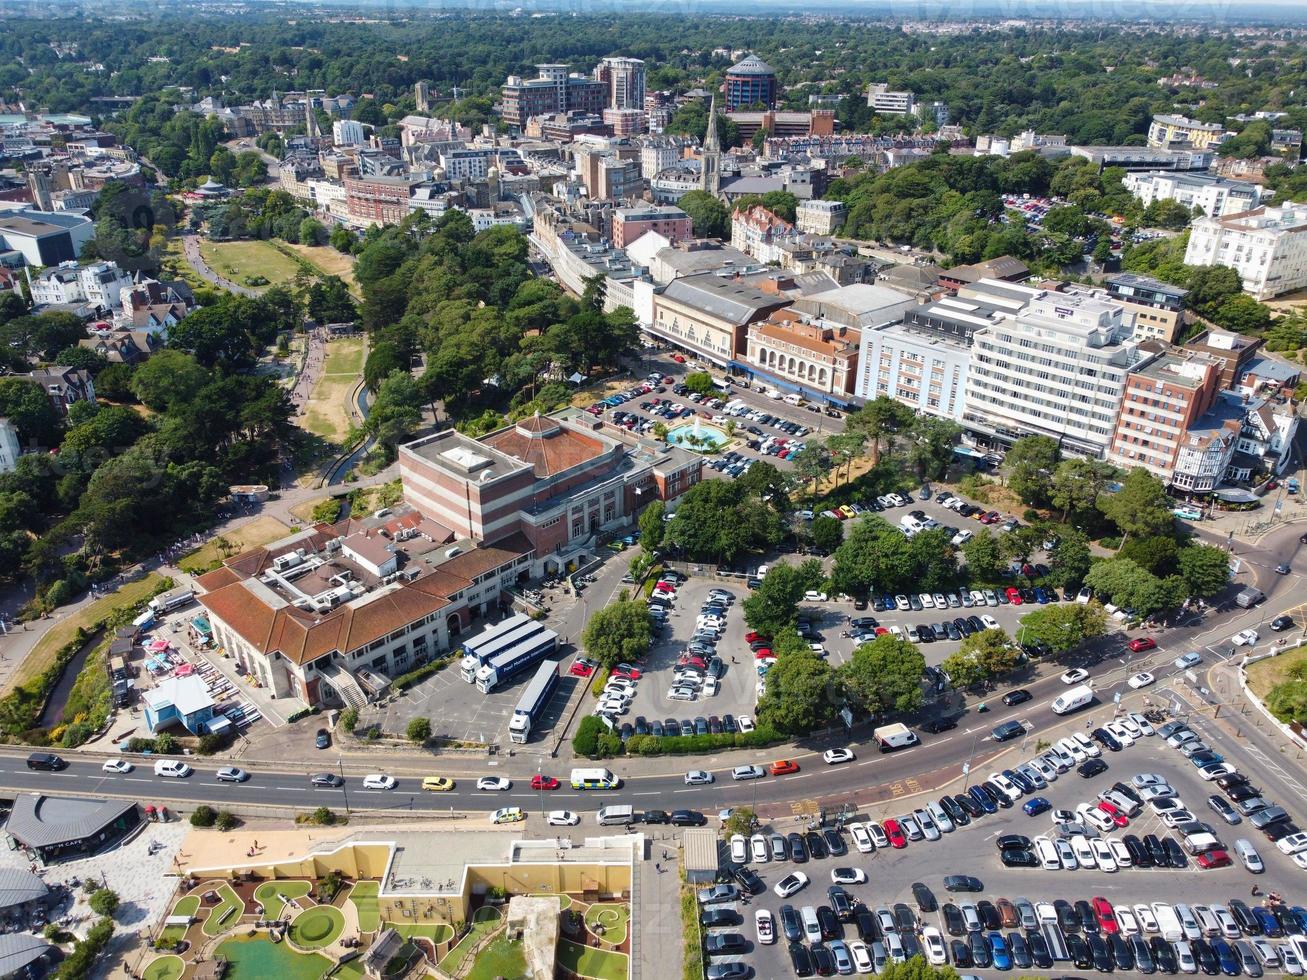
(272, 895)
(258, 958)
(226, 913)
(185, 906)
(164, 968)
(317, 927)
(364, 896)
(613, 916)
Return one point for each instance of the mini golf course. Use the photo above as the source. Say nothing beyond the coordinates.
(272, 895)
(317, 927)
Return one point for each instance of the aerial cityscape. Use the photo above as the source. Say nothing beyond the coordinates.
(617, 492)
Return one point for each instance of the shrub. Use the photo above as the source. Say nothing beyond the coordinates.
(404, 681)
(585, 742)
(323, 817)
(327, 511)
(302, 713)
(227, 820)
(1110, 543)
(104, 901)
(166, 744)
(1031, 516)
(349, 719)
(204, 816)
(211, 743)
(610, 744)
(80, 963)
(419, 730)
(600, 679)
(138, 744)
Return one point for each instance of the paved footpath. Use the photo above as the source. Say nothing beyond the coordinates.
(656, 907)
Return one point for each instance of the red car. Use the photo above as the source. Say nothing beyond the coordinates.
(543, 782)
(882, 630)
(692, 662)
(895, 833)
(1105, 915)
(678, 358)
(627, 671)
(763, 654)
(1118, 818)
(1013, 595)
(1213, 859)
(753, 636)
(783, 767)
(1141, 643)
(582, 667)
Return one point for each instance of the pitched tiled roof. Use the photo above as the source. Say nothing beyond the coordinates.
(548, 450)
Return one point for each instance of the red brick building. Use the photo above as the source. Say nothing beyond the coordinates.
(377, 200)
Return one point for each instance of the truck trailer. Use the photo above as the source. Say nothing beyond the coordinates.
(513, 653)
(533, 701)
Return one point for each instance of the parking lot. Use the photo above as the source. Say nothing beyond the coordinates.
(973, 850)
(736, 694)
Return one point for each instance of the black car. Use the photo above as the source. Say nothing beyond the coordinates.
(800, 960)
(791, 926)
(830, 926)
(1155, 850)
(841, 903)
(1019, 950)
(865, 922)
(911, 947)
(1175, 855)
(1107, 740)
(961, 953)
(816, 846)
(1144, 961)
(989, 917)
(980, 955)
(962, 883)
(1282, 623)
(1163, 954)
(1013, 858)
(1067, 919)
(322, 739)
(749, 880)
(1088, 921)
(1098, 949)
(970, 806)
(1019, 696)
(904, 918)
(925, 897)
(1121, 952)
(954, 810)
(834, 842)
(798, 848)
(1205, 957)
(997, 794)
(657, 816)
(688, 818)
(1017, 841)
(724, 943)
(937, 725)
(953, 923)
(712, 918)
(1039, 951)
(1078, 949)
(1091, 767)
(1243, 915)
(1139, 855)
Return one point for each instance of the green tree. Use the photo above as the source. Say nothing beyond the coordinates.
(879, 422)
(652, 526)
(827, 533)
(884, 676)
(930, 450)
(25, 405)
(1155, 553)
(802, 693)
(1030, 464)
(774, 604)
(585, 743)
(419, 730)
(618, 632)
(312, 232)
(717, 521)
(700, 382)
(984, 555)
(708, 214)
(1064, 626)
(1070, 560)
(104, 901)
(934, 560)
(1205, 569)
(875, 557)
(1141, 507)
(1077, 484)
(396, 411)
(983, 657)
(1128, 585)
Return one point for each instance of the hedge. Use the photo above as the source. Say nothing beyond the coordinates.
(598, 741)
(302, 713)
(600, 679)
(404, 681)
(80, 962)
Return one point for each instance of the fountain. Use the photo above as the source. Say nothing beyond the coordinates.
(697, 436)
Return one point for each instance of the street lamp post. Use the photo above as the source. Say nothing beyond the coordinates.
(343, 787)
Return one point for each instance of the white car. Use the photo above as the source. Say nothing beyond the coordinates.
(681, 694)
(933, 945)
(1120, 852)
(1217, 770)
(1126, 921)
(562, 818)
(614, 706)
(1142, 723)
(1160, 791)
(1095, 817)
(833, 757)
(791, 883)
(878, 835)
(758, 849)
(1140, 780)
(1245, 638)
(1148, 921)
(861, 839)
(1084, 852)
(378, 780)
(1047, 854)
(619, 684)
(1066, 854)
(862, 961)
(1075, 675)
(745, 724)
(1289, 957)
(990, 622)
(1006, 785)
(496, 784)
(1103, 855)
(1072, 748)
(813, 596)
(117, 766)
(1088, 745)
(1118, 731)
(1173, 818)
(927, 600)
(766, 927)
(848, 876)
(739, 849)
(698, 777)
(1184, 957)
(1293, 844)
(1141, 679)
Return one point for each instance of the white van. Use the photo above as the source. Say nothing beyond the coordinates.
(1073, 700)
(610, 816)
(172, 767)
(792, 399)
(1168, 923)
(811, 924)
(910, 524)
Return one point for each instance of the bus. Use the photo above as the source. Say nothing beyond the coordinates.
(594, 779)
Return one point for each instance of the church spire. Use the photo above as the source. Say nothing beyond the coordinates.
(311, 128)
(711, 166)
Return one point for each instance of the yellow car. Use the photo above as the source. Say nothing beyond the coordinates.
(848, 511)
(437, 784)
(509, 814)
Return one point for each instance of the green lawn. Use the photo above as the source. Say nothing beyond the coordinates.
(437, 932)
(344, 356)
(239, 261)
(364, 897)
(318, 927)
(272, 895)
(226, 913)
(164, 968)
(502, 958)
(185, 906)
(353, 970)
(613, 916)
(484, 921)
(587, 962)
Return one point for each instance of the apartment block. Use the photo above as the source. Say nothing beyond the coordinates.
(1158, 306)
(625, 81)
(885, 102)
(552, 90)
(1216, 196)
(670, 222)
(377, 200)
(100, 284)
(1058, 369)
(1171, 131)
(1267, 246)
(821, 217)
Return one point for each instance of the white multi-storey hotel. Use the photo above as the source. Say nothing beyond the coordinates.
(1266, 246)
(1059, 369)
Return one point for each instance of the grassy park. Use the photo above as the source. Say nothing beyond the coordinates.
(328, 261)
(257, 532)
(326, 413)
(237, 261)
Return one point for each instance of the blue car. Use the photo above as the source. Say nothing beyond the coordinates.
(1034, 807)
(998, 949)
(1269, 923)
(1300, 914)
(1225, 955)
(983, 799)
